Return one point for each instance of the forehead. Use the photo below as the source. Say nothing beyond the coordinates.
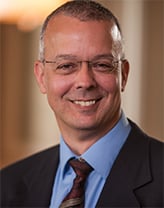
(64, 32)
(63, 23)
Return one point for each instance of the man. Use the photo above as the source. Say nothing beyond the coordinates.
(82, 69)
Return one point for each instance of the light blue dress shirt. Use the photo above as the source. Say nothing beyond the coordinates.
(100, 156)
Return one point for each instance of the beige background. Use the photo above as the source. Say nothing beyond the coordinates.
(28, 124)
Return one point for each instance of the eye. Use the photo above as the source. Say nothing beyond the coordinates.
(66, 68)
(103, 66)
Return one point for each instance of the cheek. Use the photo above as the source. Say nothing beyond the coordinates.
(57, 87)
(110, 84)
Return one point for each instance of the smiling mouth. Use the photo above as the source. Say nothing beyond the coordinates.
(85, 103)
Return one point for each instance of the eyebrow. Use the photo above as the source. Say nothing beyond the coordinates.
(71, 56)
(66, 56)
(101, 56)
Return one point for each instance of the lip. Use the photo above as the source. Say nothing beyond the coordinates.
(85, 103)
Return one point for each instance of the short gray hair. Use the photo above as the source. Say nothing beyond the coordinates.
(84, 10)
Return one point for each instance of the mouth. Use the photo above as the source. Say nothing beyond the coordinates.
(86, 103)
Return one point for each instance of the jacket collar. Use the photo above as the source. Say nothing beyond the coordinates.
(130, 171)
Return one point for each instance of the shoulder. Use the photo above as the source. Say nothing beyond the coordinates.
(19, 177)
(143, 140)
(33, 161)
(136, 131)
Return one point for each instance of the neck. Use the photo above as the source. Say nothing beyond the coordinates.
(81, 140)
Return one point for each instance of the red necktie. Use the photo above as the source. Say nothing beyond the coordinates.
(75, 197)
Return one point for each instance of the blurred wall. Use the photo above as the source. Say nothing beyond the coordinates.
(28, 124)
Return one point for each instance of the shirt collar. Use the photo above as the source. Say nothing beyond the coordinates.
(103, 153)
(65, 154)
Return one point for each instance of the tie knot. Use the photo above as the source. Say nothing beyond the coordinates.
(81, 167)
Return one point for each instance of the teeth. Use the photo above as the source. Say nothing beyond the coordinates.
(85, 103)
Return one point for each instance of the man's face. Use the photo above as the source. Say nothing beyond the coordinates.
(84, 99)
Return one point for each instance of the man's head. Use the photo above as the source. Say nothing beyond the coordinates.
(82, 70)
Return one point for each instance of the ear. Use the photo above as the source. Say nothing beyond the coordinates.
(125, 73)
(39, 72)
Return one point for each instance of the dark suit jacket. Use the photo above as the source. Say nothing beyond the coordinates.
(136, 178)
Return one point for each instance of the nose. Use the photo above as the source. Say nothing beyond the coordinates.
(85, 77)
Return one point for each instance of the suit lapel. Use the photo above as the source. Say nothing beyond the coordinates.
(130, 171)
(39, 180)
